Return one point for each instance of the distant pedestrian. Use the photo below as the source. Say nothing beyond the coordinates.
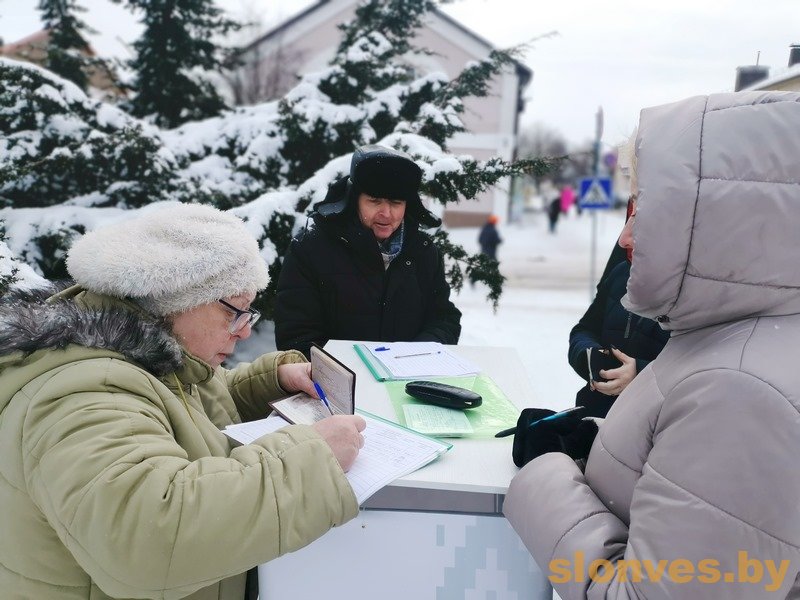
(553, 212)
(489, 238)
(567, 197)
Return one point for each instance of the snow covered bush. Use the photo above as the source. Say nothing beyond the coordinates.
(58, 145)
(14, 272)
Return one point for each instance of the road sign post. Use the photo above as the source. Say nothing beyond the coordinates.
(595, 193)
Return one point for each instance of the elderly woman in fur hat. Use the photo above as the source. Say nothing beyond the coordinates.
(363, 270)
(115, 480)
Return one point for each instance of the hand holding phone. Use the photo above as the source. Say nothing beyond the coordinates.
(600, 358)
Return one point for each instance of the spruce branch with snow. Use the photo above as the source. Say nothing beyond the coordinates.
(8, 269)
(14, 272)
(476, 267)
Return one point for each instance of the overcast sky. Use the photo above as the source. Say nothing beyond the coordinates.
(622, 55)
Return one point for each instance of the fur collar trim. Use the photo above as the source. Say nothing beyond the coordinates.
(28, 323)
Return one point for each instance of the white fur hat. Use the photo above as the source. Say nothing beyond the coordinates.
(170, 260)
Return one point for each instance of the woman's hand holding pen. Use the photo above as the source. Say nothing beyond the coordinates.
(343, 435)
(341, 432)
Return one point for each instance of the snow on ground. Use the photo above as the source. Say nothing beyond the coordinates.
(546, 292)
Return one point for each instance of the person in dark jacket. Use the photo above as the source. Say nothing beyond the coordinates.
(553, 212)
(632, 339)
(489, 239)
(363, 270)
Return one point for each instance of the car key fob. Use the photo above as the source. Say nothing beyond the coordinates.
(442, 394)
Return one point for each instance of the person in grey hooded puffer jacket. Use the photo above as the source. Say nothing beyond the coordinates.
(691, 488)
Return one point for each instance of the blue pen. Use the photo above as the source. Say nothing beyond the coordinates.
(381, 349)
(322, 396)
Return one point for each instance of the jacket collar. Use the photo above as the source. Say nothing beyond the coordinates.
(53, 318)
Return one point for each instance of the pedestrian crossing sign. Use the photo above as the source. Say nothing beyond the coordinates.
(595, 192)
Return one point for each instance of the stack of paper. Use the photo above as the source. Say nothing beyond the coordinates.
(390, 451)
(413, 360)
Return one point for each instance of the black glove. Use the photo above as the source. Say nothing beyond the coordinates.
(540, 431)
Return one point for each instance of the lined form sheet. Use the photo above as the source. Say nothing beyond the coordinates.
(390, 451)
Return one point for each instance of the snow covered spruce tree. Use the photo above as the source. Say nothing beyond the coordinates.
(173, 57)
(88, 162)
(66, 44)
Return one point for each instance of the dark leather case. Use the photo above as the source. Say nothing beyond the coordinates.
(442, 394)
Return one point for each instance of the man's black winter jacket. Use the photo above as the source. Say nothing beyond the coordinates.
(333, 285)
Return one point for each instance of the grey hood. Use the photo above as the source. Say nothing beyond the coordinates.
(704, 251)
(697, 458)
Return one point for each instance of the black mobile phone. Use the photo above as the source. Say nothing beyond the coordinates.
(601, 358)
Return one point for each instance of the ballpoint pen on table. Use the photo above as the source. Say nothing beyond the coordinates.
(559, 415)
(419, 354)
(322, 396)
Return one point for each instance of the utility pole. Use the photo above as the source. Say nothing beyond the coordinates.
(598, 134)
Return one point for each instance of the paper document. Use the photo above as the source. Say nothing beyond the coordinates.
(437, 420)
(412, 360)
(337, 382)
(301, 408)
(247, 433)
(390, 451)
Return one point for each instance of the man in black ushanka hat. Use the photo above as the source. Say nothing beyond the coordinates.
(363, 270)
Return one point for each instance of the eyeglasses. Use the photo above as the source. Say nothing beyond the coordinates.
(242, 318)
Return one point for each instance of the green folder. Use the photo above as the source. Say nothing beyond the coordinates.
(376, 367)
(495, 413)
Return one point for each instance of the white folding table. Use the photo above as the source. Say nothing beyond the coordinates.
(437, 533)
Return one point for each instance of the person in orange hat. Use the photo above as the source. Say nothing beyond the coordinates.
(489, 238)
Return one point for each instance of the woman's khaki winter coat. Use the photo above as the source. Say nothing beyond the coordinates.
(115, 481)
(695, 471)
